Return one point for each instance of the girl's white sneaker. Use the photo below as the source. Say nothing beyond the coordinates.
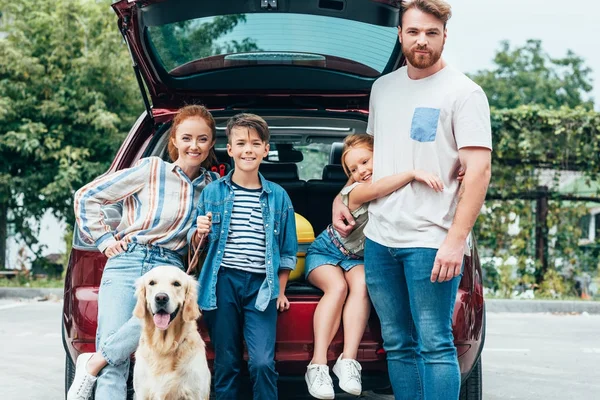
(348, 372)
(319, 382)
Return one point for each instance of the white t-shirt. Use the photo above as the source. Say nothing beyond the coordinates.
(421, 124)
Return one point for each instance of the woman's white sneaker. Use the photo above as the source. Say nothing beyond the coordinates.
(319, 382)
(83, 383)
(348, 372)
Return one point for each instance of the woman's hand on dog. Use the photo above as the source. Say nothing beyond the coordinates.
(283, 304)
(116, 248)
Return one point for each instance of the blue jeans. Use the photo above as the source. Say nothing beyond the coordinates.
(118, 331)
(416, 321)
(236, 318)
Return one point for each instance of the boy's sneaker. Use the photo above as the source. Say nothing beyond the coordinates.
(319, 382)
(348, 372)
(83, 383)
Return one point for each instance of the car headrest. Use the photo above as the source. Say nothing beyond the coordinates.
(334, 173)
(335, 155)
(223, 157)
(278, 172)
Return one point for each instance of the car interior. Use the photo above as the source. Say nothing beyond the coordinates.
(312, 193)
(304, 158)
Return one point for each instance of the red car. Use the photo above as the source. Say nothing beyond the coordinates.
(307, 68)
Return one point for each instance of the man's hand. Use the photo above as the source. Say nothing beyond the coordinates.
(283, 304)
(342, 219)
(115, 248)
(448, 261)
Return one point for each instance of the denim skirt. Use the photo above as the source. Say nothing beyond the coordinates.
(323, 252)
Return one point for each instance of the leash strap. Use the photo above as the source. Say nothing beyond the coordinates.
(193, 259)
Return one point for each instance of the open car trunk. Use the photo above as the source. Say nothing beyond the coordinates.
(322, 54)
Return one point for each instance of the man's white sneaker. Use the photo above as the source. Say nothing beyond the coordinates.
(83, 383)
(348, 372)
(319, 382)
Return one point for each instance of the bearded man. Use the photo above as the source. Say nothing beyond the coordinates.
(427, 116)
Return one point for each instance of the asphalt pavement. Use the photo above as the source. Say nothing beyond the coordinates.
(526, 356)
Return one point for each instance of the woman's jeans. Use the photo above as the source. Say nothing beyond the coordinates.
(416, 321)
(118, 331)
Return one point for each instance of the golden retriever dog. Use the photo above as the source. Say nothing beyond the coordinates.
(170, 362)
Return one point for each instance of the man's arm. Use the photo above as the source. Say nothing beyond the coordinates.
(476, 161)
(342, 219)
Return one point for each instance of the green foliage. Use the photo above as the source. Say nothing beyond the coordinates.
(182, 42)
(532, 136)
(316, 156)
(533, 144)
(528, 75)
(25, 281)
(67, 98)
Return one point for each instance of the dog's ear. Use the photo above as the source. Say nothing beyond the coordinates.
(140, 309)
(191, 312)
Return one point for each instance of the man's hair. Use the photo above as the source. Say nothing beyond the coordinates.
(250, 121)
(438, 8)
(193, 111)
(352, 142)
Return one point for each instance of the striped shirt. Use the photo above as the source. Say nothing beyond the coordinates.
(245, 247)
(158, 205)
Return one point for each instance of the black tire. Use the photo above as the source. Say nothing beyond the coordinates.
(472, 387)
(69, 373)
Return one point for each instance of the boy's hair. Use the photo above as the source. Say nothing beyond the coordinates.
(193, 111)
(438, 8)
(353, 141)
(250, 121)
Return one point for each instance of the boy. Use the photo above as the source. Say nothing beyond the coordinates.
(251, 231)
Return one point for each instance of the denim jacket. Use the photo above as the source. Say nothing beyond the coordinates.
(280, 230)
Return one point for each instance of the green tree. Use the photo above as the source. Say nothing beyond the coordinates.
(180, 42)
(67, 98)
(542, 121)
(528, 75)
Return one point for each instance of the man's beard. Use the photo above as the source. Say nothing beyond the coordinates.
(422, 61)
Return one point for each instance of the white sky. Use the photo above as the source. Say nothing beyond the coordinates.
(477, 27)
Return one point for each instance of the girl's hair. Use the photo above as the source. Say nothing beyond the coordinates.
(193, 111)
(353, 141)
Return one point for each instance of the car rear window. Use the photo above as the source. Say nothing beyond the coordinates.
(236, 40)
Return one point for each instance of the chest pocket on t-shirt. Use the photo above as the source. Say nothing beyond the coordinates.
(424, 124)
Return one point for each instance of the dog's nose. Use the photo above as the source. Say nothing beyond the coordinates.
(161, 299)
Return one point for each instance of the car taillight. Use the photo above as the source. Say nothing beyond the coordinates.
(81, 295)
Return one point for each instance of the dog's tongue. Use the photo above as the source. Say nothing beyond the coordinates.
(162, 320)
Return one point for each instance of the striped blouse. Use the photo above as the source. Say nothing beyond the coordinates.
(159, 203)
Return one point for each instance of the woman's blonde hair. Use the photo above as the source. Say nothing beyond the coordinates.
(193, 111)
(354, 141)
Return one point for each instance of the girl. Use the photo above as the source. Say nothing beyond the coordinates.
(335, 265)
(158, 210)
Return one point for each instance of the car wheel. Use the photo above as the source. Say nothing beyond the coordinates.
(471, 388)
(69, 373)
